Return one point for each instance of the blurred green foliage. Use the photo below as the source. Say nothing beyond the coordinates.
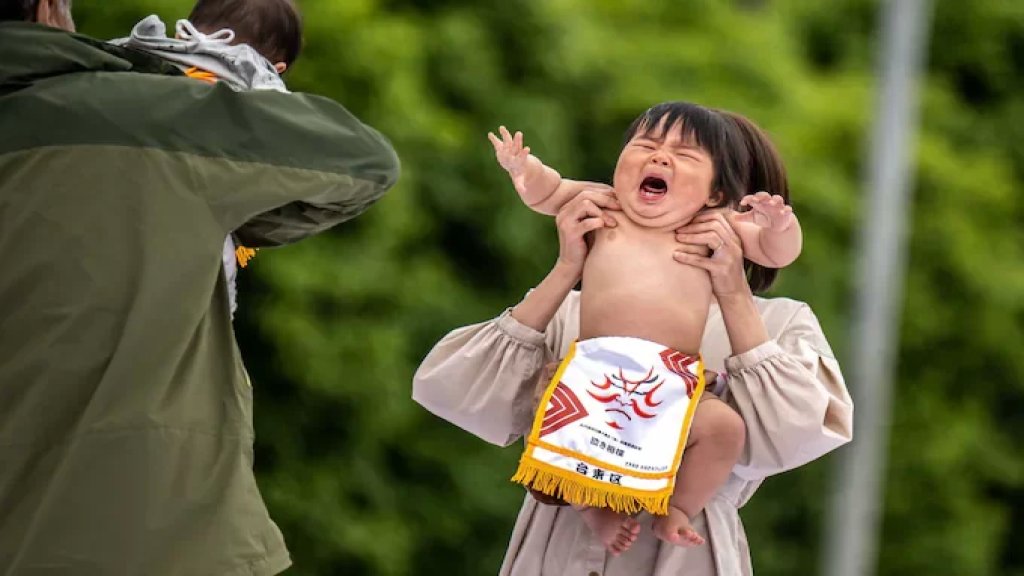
(363, 481)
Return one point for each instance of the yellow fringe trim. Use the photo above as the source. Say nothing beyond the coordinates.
(581, 492)
(243, 255)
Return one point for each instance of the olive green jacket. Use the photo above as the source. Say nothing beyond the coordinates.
(125, 414)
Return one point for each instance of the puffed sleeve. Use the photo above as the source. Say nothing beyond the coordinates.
(482, 377)
(791, 394)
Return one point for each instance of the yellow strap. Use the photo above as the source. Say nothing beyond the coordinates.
(243, 255)
(203, 75)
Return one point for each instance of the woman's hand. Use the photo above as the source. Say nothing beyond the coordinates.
(581, 215)
(584, 213)
(714, 231)
(710, 243)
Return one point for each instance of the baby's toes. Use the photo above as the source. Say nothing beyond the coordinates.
(690, 536)
(627, 537)
(619, 546)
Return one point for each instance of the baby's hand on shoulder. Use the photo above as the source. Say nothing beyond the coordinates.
(767, 211)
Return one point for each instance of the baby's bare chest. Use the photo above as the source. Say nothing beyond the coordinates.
(623, 259)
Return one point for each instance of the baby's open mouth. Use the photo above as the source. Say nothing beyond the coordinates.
(653, 188)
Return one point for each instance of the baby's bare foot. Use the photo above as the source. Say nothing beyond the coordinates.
(676, 529)
(616, 531)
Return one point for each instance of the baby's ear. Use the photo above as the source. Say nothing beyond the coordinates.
(280, 67)
(715, 199)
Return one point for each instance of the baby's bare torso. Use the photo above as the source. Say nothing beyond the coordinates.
(633, 287)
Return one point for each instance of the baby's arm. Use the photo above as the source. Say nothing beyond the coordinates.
(770, 232)
(539, 186)
(565, 191)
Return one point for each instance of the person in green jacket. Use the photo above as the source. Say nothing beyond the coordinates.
(126, 437)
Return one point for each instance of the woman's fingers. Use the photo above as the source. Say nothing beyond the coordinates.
(588, 208)
(581, 210)
(710, 232)
(603, 198)
(696, 249)
(716, 226)
(723, 232)
(702, 262)
(590, 204)
(592, 212)
(725, 264)
(590, 224)
(712, 240)
(597, 202)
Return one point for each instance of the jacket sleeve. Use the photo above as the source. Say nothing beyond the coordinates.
(481, 378)
(792, 397)
(274, 167)
(331, 167)
(484, 378)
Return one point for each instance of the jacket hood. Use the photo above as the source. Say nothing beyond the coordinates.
(240, 66)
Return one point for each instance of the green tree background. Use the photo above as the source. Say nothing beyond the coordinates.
(363, 481)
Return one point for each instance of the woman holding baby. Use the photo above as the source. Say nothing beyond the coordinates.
(776, 370)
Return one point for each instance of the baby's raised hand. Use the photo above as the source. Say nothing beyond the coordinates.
(512, 155)
(767, 211)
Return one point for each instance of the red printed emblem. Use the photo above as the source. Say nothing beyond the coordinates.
(625, 393)
(680, 364)
(563, 409)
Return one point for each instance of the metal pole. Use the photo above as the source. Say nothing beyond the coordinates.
(854, 531)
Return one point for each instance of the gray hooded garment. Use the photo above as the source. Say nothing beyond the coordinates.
(239, 66)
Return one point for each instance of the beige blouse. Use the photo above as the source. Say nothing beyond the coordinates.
(789, 391)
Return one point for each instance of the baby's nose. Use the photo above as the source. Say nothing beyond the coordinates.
(660, 159)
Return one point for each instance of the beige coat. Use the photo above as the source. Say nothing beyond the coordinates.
(789, 391)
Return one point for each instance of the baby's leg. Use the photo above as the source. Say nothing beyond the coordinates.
(714, 446)
(615, 530)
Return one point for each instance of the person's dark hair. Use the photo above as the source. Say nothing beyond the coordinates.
(18, 10)
(743, 158)
(766, 172)
(272, 27)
